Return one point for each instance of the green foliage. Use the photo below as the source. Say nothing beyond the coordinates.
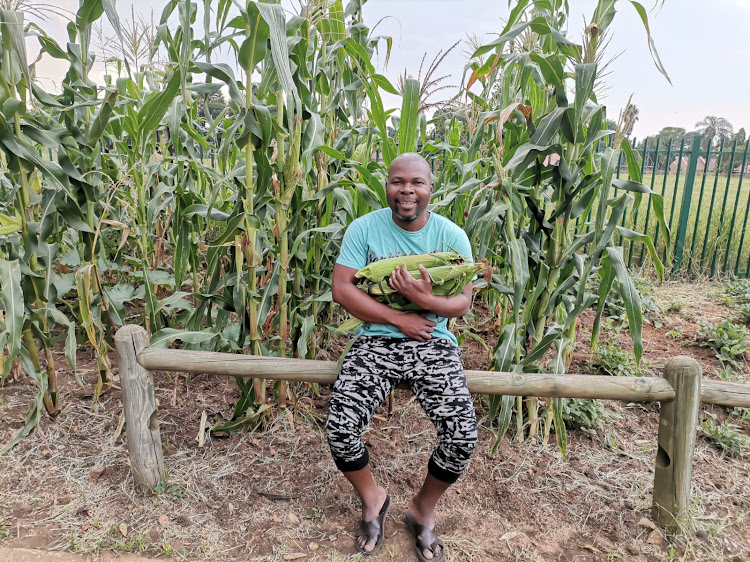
(584, 414)
(729, 340)
(676, 333)
(726, 437)
(675, 306)
(738, 290)
(613, 360)
(616, 310)
(122, 219)
(727, 373)
(743, 313)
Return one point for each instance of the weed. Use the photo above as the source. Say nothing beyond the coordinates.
(4, 531)
(727, 373)
(316, 514)
(583, 413)
(676, 333)
(738, 290)
(613, 360)
(173, 490)
(727, 301)
(728, 339)
(726, 437)
(675, 306)
(743, 312)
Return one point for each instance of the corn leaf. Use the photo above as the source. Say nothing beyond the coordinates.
(631, 298)
(407, 132)
(12, 296)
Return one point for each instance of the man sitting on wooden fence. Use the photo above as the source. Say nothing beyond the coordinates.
(396, 346)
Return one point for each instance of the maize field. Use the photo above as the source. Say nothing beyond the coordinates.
(109, 214)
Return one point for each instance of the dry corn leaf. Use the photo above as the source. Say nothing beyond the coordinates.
(509, 535)
(123, 528)
(295, 556)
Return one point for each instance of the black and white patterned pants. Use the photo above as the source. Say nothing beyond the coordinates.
(372, 368)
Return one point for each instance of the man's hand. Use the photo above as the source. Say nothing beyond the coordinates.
(418, 291)
(415, 325)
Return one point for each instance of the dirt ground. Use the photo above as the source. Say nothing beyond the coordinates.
(276, 495)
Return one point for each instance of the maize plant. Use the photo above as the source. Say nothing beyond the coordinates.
(545, 205)
(221, 229)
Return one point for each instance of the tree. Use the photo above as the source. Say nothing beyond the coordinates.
(741, 136)
(715, 128)
(671, 133)
(215, 104)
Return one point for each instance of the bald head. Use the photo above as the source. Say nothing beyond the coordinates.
(411, 157)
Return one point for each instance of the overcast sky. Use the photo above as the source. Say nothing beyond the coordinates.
(702, 44)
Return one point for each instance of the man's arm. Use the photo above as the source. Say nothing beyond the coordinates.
(361, 305)
(419, 291)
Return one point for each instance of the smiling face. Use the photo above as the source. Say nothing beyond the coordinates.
(408, 191)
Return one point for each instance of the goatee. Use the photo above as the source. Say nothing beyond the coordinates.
(408, 219)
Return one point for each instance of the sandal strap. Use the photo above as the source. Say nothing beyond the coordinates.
(369, 529)
(429, 540)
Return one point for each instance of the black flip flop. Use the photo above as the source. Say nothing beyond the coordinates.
(424, 538)
(373, 529)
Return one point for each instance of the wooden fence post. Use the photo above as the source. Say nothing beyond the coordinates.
(139, 404)
(678, 422)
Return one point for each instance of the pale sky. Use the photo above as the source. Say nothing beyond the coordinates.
(703, 46)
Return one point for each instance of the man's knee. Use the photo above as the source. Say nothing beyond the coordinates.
(343, 431)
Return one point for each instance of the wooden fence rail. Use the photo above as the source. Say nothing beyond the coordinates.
(680, 392)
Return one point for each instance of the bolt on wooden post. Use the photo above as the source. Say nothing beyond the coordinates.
(678, 421)
(139, 404)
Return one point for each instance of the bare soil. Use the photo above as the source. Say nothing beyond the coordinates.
(276, 495)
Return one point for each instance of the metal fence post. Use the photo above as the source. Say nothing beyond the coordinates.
(676, 444)
(687, 199)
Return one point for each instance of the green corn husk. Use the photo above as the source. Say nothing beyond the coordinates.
(384, 268)
(448, 271)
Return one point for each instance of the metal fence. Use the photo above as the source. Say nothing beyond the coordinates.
(706, 206)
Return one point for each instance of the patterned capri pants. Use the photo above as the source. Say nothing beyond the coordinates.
(372, 368)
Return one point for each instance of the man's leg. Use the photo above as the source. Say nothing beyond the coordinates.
(372, 496)
(363, 384)
(440, 386)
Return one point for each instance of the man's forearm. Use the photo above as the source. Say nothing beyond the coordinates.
(362, 306)
(449, 306)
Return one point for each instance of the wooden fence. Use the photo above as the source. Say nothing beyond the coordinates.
(680, 393)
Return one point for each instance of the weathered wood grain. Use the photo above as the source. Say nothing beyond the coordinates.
(678, 421)
(139, 405)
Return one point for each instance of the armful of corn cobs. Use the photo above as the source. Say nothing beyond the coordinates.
(449, 273)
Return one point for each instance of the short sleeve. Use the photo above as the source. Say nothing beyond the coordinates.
(353, 247)
(460, 243)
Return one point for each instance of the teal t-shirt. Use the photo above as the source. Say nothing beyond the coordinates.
(375, 237)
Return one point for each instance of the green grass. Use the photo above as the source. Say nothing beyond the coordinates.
(708, 249)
